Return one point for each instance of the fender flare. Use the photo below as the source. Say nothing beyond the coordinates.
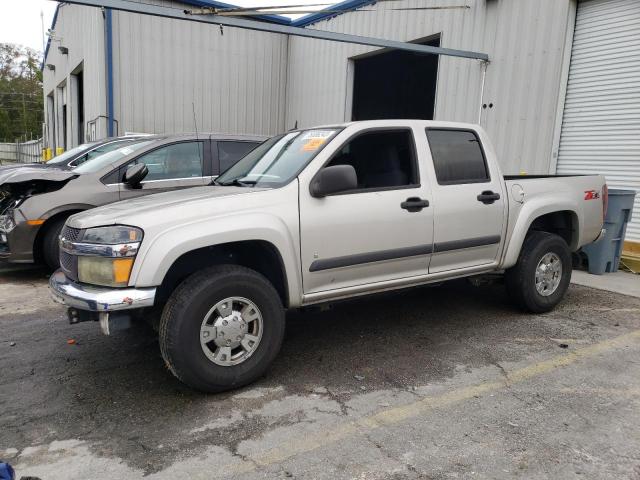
(532, 210)
(166, 246)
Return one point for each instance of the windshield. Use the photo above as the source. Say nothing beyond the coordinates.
(278, 160)
(98, 163)
(63, 158)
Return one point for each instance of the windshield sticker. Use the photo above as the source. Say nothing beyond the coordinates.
(126, 150)
(313, 144)
(315, 139)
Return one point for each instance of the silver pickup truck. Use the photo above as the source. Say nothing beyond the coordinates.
(318, 215)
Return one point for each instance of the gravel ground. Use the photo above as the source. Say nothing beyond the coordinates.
(441, 382)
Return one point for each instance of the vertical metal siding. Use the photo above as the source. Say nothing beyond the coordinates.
(164, 67)
(82, 31)
(525, 40)
(601, 123)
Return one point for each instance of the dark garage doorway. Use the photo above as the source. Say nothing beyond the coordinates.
(395, 84)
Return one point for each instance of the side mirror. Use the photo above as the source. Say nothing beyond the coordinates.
(335, 179)
(135, 174)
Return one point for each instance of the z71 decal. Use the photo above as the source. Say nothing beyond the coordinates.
(591, 194)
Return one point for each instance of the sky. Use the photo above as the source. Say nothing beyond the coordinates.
(20, 19)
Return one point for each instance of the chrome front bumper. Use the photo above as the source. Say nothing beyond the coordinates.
(98, 299)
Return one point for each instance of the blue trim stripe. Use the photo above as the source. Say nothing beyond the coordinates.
(342, 7)
(109, 61)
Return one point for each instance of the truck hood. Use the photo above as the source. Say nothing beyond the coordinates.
(27, 173)
(168, 207)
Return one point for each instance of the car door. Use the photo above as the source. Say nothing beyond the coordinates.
(470, 209)
(171, 166)
(369, 234)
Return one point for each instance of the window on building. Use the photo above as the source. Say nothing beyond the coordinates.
(230, 152)
(381, 159)
(457, 157)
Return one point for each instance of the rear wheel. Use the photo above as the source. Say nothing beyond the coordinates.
(542, 274)
(51, 243)
(221, 328)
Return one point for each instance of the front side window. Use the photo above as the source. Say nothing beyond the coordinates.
(382, 159)
(278, 160)
(230, 152)
(457, 156)
(180, 160)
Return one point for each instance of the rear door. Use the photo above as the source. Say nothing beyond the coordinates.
(470, 208)
(171, 166)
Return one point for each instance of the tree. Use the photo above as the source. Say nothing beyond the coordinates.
(21, 101)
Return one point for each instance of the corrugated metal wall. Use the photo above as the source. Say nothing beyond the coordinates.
(237, 80)
(601, 125)
(81, 30)
(525, 40)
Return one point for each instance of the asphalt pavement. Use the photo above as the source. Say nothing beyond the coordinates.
(438, 382)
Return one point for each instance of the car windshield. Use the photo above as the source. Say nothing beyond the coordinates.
(110, 158)
(65, 157)
(278, 160)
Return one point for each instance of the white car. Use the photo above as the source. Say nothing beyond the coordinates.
(313, 216)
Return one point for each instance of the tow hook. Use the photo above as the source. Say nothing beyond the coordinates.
(109, 321)
(79, 316)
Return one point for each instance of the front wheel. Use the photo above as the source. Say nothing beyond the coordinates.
(540, 278)
(221, 328)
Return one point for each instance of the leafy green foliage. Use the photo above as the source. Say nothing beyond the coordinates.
(21, 101)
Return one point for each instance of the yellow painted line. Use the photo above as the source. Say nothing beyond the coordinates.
(312, 441)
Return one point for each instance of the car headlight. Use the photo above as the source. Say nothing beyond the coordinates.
(116, 234)
(106, 254)
(7, 221)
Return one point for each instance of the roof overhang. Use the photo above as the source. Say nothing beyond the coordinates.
(179, 14)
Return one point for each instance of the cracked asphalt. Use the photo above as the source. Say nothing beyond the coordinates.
(433, 383)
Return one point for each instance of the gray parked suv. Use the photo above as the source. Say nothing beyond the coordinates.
(36, 202)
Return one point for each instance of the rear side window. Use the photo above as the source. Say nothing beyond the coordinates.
(457, 157)
(230, 152)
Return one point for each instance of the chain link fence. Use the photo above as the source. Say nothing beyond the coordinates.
(24, 152)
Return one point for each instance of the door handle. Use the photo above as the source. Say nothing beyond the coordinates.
(414, 204)
(488, 197)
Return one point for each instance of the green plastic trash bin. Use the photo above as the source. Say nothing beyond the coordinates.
(604, 256)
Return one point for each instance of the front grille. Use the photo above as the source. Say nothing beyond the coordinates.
(71, 234)
(68, 262)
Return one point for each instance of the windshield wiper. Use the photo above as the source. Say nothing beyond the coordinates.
(236, 182)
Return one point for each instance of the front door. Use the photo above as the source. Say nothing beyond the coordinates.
(178, 165)
(469, 215)
(370, 234)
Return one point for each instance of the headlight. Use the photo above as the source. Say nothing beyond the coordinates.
(105, 254)
(7, 221)
(113, 235)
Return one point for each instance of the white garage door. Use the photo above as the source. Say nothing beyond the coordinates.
(601, 124)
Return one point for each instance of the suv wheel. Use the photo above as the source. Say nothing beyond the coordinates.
(221, 328)
(540, 278)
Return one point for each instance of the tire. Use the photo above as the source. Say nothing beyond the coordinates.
(521, 278)
(51, 245)
(193, 301)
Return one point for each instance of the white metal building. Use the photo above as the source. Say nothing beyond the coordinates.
(561, 90)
